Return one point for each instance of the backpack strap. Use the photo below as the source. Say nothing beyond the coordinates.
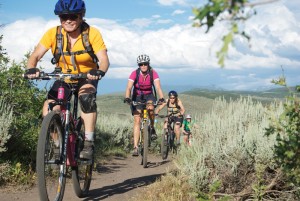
(152, 81)
(176, 104)
(85, 28)
(58, 51)
(58, 46)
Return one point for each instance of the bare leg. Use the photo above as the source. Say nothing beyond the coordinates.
(46, 109)
(136, 128)
(88, 118)
(177, 131)
(150, 109)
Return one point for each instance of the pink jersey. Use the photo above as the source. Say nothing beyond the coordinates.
(143, 86)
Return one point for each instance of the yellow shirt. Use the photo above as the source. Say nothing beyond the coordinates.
(84, 62)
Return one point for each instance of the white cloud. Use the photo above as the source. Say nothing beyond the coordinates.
(184, 3)
(163, 21)
(141, 22)
(156, 16)
(178, 12)
(274, 41)
(172, 2)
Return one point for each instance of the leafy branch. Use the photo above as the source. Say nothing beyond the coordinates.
(231, 10)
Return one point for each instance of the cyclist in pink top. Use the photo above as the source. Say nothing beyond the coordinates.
(142, 92)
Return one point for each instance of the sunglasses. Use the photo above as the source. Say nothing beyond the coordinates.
(172, 97)
(144, 64)
(71, 17)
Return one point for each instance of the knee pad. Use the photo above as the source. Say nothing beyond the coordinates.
(88, 103)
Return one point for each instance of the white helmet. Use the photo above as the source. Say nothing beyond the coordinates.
(188, 116)
(143, 58)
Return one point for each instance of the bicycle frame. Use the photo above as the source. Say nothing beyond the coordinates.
(170, 129)
(70, 120)
(144, 119)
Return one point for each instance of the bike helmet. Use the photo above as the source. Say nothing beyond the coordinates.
(173, 93)
(188, 116)
(69, 7)
(143, 58)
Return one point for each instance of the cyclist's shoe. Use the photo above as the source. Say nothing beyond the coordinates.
(153, 134)
(135, 152)
(87, 151)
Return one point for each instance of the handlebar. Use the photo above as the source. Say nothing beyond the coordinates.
(165, 116)
(135, 103)
(57, 76)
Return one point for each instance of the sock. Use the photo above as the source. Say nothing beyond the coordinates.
(89, 136)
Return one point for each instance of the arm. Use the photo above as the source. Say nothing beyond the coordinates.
(158, 88)
(159, 108)
(128, 89)
(103, 60)
(182, 110)
(36, 55)
(103, 65)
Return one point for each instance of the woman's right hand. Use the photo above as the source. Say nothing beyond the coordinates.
(32, 73)
(127, 100)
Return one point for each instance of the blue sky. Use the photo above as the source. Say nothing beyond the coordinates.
(182, 54)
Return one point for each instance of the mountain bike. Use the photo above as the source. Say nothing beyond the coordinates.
(168, 137)
(145, 134)
(60, 141)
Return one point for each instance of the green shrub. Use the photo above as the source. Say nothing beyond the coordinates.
(114, 131)
(228, 145)
(5, 122)
(287, 132)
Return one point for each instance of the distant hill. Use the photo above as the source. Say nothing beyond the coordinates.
(196, 101)
(263, 96)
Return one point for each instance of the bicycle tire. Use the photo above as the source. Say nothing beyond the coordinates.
(82, 173)
(164, 145)
(174, 146)
(145, 145)
(51, 169)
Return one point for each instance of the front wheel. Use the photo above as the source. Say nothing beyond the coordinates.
(145, 145)
(82, 173)
(50, 164)
(164, 145)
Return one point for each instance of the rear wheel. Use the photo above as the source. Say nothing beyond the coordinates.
(50, 164)
(145, 145)
(164, 145)
(82, 173)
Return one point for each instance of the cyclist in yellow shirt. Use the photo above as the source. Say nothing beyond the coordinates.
(77, 48)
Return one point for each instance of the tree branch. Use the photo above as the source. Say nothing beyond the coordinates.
(259, 3)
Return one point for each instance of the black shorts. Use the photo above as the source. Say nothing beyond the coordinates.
(142, 98)
(52, 94)
(177, 119)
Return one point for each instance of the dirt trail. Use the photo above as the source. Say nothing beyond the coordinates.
(118, 180)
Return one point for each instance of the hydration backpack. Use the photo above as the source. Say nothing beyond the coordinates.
(138, 71)
(58, 51)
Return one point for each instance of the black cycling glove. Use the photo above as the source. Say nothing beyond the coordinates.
(31, 71)
(127, 100)
(162, 100)
(99, 73)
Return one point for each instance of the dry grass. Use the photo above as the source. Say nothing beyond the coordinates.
(170, 187)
